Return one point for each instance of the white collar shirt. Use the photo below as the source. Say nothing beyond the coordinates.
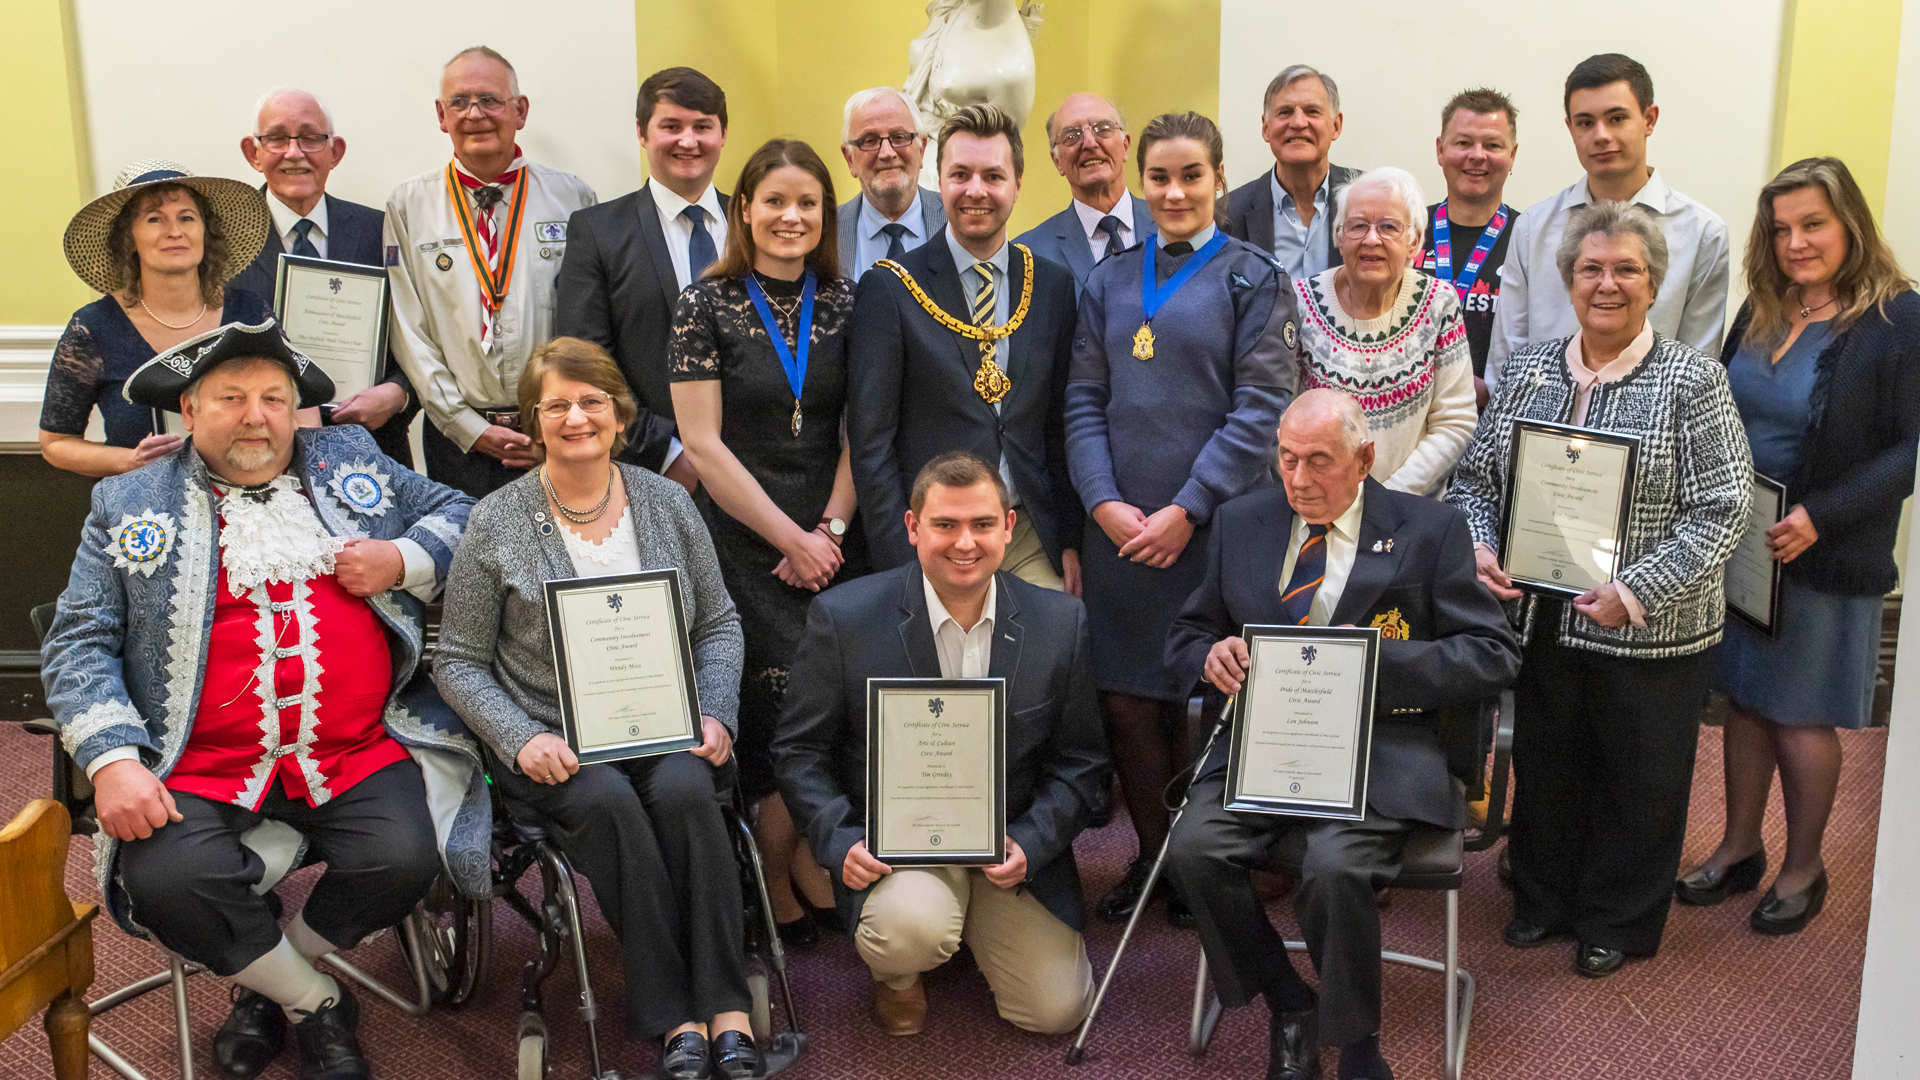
(286, 217)
(680, 231)
(1343, 546)
(872, 243)
(1301, 248)
(964, 654)
(1091, 218)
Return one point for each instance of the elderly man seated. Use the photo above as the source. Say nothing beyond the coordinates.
(236, 658)
(1331, 547)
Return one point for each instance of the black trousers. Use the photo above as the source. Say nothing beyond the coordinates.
(1603, 755)
(1211, 855)
(474, 473)
(649, 835)
(191, 882)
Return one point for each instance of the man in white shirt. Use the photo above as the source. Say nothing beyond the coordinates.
(1286, 211)
(1088, 141)
(473, 248)
(1610, 114)
(884, 146)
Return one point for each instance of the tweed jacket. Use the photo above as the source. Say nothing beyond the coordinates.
(495, 659)
(126, 657)
(1689, 504)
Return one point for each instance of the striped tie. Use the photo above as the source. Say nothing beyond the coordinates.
(983, 304)
(1309, 570)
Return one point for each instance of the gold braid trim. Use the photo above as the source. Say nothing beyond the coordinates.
(989, 381)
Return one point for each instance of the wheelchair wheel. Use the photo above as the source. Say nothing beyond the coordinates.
(454, 933)
(533, 1047)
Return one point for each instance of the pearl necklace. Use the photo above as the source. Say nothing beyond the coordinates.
(579, 517)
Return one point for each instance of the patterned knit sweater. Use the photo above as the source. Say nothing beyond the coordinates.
(1410, 370)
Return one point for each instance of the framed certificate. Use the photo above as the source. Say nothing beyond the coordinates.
(336, 313)
(1569, 491)
(623, 665)
(1753, 574)
(1302, 733)
(937, 771)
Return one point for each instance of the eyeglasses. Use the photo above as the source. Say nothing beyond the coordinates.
(490, 105)
(1389, 229)
(1071, 136)
(1625, 273)
(311, 144)
(871, 141)
(559, 408)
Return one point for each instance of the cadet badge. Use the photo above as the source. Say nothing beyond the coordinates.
(1392, 627)
(141, 543)
(363, 489)
(1290, 335)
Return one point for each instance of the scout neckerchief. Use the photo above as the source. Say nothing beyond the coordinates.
(989, 382)
(489, 247)
(1152, 299)
(793, 359)
(1443, 249)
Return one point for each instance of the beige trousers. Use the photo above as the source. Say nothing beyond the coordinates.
(1027, 560)
(916, 917)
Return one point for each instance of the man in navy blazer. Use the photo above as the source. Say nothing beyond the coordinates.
(884, 146)
(1327, 547)
(308, 221)
(1300, 120)
(1088, 140)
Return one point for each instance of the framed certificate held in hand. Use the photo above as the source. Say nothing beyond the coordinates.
(1569, 491)
(1753, 574)
(623, 665)
(336, 313)
(1302, 732)
(937, 771)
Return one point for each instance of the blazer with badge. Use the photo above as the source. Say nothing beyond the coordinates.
(1062, 239)
(1250, 210)
(877, 627)
(123, 661)
(911, 396)
(933, 218)
(1445, 639)
(617, 289)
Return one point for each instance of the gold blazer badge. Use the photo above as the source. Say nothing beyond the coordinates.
(1392, 627)
(989, 381)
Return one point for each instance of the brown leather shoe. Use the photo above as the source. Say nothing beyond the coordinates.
(900, 1012)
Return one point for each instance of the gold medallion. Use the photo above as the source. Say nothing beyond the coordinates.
(1143, 343)
(796, 419)
(990, 382)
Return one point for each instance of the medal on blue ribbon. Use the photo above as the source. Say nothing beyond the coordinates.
(796, 365)
(1152, 299)
(1443, 249)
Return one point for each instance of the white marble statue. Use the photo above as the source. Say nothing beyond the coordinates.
(972, 52)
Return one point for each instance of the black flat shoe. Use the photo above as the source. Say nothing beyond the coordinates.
(1523, 934)
(1118, 904)
(1790, 914)
(1705, 888)
(1293, 1046)
(735, 1057)
(1598, 962)
(801, 933)
(254, 1034)
(329, 1040)
(685, 1058)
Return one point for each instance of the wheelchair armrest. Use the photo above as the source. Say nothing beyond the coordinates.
(1498, 774)
(40, 727)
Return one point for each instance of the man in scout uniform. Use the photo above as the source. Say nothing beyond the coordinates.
(473, 249)
(963, 344)
(1331, 547)
(236, 665)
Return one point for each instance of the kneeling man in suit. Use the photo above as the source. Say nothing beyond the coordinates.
(1331, 547)
(953, 615)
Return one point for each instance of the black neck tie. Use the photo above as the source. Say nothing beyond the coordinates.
(896, 248)
(301, 244)
(1111, 226)
(1179, 247)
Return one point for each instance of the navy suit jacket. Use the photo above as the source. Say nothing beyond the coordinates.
(911, 397)
(876, 627)
(933, 218)
(1458, 650)
(618, 290)
(1061, 239)
(1250, 211)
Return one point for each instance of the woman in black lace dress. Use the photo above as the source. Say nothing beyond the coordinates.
(759, 410)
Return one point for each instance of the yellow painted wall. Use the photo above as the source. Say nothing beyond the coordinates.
(45, 129)
(1841, 59)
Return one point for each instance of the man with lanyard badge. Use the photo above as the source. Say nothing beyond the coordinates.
(1468, 231)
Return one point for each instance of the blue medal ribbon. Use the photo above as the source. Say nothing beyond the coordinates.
(1443, 249)
(1152, 299)
(803, 334)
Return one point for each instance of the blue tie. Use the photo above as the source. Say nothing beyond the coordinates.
(700, 252)
(302, 245)
(1111, 226)
(1309, 570)
(896, 250)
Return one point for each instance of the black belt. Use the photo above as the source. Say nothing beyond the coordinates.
(506, 418)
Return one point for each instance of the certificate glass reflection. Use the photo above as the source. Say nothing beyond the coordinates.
(622, 665)
(936, 771)
(1569, 490)
(1753, 574)
(1302, 733)
(335, 313)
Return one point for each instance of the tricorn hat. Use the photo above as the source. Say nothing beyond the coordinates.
(159, 382)
(242, 210)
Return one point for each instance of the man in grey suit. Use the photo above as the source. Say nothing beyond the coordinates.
(1288, 210)
(1087, 139)
(893, 214)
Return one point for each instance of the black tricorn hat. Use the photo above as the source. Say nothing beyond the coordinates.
(159, 382)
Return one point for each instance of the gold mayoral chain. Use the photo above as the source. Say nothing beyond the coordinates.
(989, 382)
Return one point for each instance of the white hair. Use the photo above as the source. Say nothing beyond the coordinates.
(1345, 408)
(259, 106)
(867, 97)
(1402, 184)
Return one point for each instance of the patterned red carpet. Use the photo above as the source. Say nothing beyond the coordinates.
(1719, 1001)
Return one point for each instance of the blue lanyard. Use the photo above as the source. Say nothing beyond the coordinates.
(803, 334)
(1152, 299)
(1443, 249)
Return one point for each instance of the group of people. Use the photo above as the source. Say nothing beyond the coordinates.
(877, 438)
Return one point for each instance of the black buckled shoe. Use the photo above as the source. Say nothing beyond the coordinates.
(1789, 914)
(329, 1040)
(1598, 961)
(1293, 1046)
(735, 1057)
(254, 1034)
(1523, 933)
(1117, 905)
(685, 1058)
(1705, 887)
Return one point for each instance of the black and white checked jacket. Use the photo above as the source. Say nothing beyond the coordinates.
(1690, 503)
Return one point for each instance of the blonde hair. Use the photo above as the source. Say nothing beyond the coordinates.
(1868, 277)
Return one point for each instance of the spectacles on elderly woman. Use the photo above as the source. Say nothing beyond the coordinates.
(1389, 229)
(1625, 273)
(559, 408)
(871, 141)
(1071, 136)
(309, 143)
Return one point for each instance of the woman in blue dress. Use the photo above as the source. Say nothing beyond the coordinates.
(1824, 362)
(1173, 399)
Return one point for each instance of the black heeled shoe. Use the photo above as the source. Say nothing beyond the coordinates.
(1705, 887)
(1790, 914)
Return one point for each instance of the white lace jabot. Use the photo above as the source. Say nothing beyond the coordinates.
(271, 533)
(619, 553)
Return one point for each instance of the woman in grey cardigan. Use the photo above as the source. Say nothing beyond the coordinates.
(647, 832)
(1612, 683)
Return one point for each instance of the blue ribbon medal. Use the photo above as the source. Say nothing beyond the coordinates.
(803, 334)
(1443, 249)
(1152, 299)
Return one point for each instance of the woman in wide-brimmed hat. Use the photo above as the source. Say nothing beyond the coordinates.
(161, 245)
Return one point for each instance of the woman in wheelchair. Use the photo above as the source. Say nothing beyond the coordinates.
(647, 832)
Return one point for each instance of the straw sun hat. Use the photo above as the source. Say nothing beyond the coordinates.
(241, 208)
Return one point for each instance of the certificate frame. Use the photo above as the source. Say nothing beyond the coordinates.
(1243, 795)
(663, 588)
(375, 362)
(901, 852)
(1768, 621)
(1524, 430)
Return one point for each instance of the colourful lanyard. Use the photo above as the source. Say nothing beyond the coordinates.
(1443, 249)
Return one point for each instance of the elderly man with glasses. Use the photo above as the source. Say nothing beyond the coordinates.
(893, 214)
(1087, 139)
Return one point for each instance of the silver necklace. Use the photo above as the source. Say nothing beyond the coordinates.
(579, 517)
(168, 325)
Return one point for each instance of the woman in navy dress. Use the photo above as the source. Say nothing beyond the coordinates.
(1172, 408)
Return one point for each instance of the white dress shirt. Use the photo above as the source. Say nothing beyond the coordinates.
(872, 244)
(1534, 306)
(1300, 248)
(680, 231)
(964, 654)
(285, 218)
(1343, 544)
(970, 284)
(1090, 219)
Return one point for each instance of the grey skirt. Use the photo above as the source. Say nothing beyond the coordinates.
(1817, 671)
